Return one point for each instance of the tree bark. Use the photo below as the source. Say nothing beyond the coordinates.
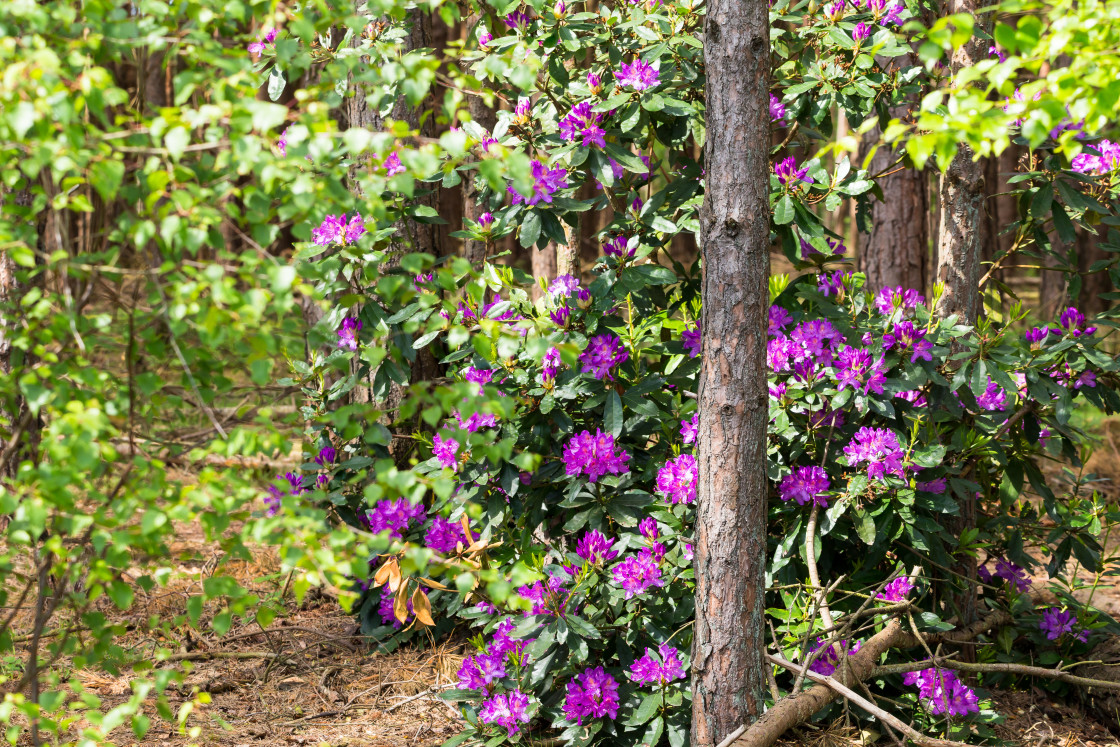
(896, 253)
(727, 663)
(1093, 284)
(486, 118)
(962, 201)
(544, 266)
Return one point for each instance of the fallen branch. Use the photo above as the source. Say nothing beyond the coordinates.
(207, 655)
(867, 705)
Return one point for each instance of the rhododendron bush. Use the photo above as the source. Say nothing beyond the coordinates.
(542, 488)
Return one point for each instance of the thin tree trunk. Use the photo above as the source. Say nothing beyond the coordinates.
(544, 266)
(961, 194)
(730, 550)
(486, 118)
(1093, 284)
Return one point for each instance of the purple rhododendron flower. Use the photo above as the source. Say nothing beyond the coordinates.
(690, 429)
(443, 449)
(806, 485)
(832, 283)
(938, 485)
(591, 694)
(517, 19)
(594, 456)
(336, 229)
(637, 574)
(826, 662)
(1013, 574)
(583, 124)
(787, 171)
(1073, 321)
(942, 693)
(443, 535)
(564, 286)
(638, 75)
(394, 516)
(777, 110)
(678, 479)
(255, 48)
(546, 181)
(509, 710)
(326, 456)
(658, 668)
(896, 590)
(618, 246)
(907, 336)
(385, 609)
(348, 333)
(692, 340)
(550, 366)
(594, 83)
(647, 527)
(1057, 622)
(861, 32)
(478, 672)
(889, 300)
(879, 448)
(560, 315)
(994, 399)
(595, 548)
(779, 319)
(1095, 165)
(855, 368)
(603, 353)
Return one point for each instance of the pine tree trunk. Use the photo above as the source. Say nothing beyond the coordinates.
(961, 194)
(486, 118)
(730, 553)
(1093, 284)
(896, 253)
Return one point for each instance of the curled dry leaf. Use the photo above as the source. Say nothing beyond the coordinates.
(400, 604)
(422, 608)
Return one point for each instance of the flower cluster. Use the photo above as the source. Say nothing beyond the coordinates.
(591, 694)
(678, 478)
(336, 229)
(806, 485)
(658, 667)
(942, 693)
(827, 659)
(879, 449)
(394, 516)
(546, 182)
(603, 353)
(583, 124)
(594, 455)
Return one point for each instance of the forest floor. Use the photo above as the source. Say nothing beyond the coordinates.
(310, 679)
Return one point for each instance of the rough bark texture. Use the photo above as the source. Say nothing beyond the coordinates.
(896, 253)
(543, 266)
(731, 516)
(486, 118)
(961, 195)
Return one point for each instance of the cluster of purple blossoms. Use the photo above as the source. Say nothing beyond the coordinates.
(638, 75)
(1014, 575)
(778, 319)
(480, 376)
(914, 397)
(994, 399)
(690, 428)
(583, 123)
(517, 19)
(443, 449)
(592, 693)
(255, 48)
(594, 456)
(560, 316)
(692, 340)
(618, 246)
(907, 336)
(595, 548)
(886, 15)
(658, 668)
(889, 300)
(392, 165)
(678, 479)
(1073, 321)
(394, 516)
(564, 286)
(443, 535)
(813, 342)
(475, 421)
(1035, 337)
(297, 485)
(484, 36)
(879, 448)
(861, 32)
(777, 110)
(856, 368)
(348, 333)
(937, 485)
(603, 353)
(594, 83)
(896, 590)
(787, 171)
(826, 662)
(647, 527)
(550, 366)
(1057, 622)
(548, 597)
(545, 182)
(479, 671)
(834, 11)
(509, 710)
(833, 282)
(806, 485)
(326, 456)
(942, 693)
(1066, 376)
(1095, 165)
(637, 573)
(336, 229)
